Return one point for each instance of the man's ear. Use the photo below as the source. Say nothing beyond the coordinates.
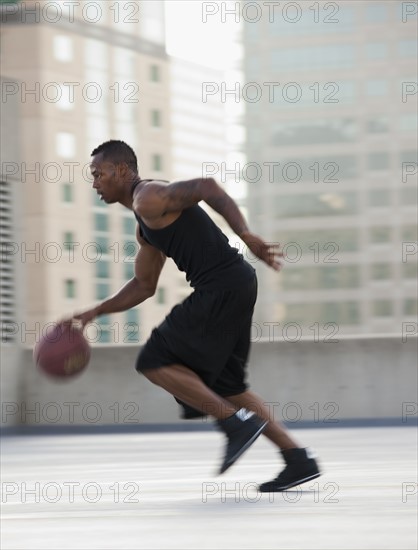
(122, 170)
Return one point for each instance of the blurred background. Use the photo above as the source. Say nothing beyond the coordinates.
(306, 113)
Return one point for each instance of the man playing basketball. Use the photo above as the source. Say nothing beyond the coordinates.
(199, 352)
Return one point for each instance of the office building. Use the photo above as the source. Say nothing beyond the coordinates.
(331, 121)
(74, 76)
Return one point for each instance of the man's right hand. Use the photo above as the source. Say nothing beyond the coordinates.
(83, 318)
(269, 253)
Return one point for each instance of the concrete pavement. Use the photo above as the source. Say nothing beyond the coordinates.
(160, 491)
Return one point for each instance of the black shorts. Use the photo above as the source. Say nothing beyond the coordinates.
(210, 333)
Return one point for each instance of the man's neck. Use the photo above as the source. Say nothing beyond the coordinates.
(127, 199)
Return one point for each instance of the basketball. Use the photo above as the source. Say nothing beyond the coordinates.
(63, 352)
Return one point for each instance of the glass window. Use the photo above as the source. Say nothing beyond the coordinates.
(410, 307)
(155, 118)
(330, 277)
(381, 271)
(102, 269)
(382, 308)
(352, 276)
(410, 155)
(65, 144)
(69, 285)
(129, 225)
(377, 87)
(329, 241)
(297, 313)
(376, 50)
(64, 100)
(410, 269)
(410, 233)
(132, 326)
(308, 278)
(312, 131)
(68, 240)
(336, 18)
(130, 249)
(104, 334)
(379, 198)
(101, 222)
(378, 161)
(380, 234)
(161, 295)
(157, 162)
(102, 291)
(314, 57)
(155, 75)
(351, 313)
(102, 244)
(325, 204)
(330, 312)
(379, 124)
(252, 65)
(63, 48)
(408, 123)
(409, 196)
(67, 192)
(327, 169)
(132, 316)
(408, 48)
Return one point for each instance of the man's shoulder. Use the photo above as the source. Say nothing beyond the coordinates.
(148, 197)
(147, 188)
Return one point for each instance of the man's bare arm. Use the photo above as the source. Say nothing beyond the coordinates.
(157, 200)
(148, 265)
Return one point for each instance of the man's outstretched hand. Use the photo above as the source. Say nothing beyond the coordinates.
(82, 318)
(267, 252)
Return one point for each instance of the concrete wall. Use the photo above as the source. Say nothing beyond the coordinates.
(322, 382)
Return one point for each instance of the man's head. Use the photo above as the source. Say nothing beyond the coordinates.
(113, 166)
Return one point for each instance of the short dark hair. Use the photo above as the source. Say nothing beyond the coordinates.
(117, 152)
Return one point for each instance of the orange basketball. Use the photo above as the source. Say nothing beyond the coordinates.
(63, 352)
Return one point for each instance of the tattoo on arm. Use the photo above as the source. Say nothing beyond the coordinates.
(182, 194)
(220, 203)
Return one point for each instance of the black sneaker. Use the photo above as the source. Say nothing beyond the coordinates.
(241, 429)
(300, 468)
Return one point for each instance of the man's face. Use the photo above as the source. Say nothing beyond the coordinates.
(106, 179)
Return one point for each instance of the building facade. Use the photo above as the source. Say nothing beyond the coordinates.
(80, 74)
(331, 115)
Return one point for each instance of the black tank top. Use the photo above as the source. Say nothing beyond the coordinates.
(200, 249)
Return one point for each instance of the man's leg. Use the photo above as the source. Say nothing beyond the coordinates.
(240, 426)
(275, 431)
(187, 386)
(300, 464)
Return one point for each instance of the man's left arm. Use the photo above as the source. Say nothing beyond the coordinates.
(184, 194)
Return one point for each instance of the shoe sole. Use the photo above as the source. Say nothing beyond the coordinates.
(286, 487)
(243, 448)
